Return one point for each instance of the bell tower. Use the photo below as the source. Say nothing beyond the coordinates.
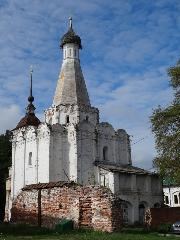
(71, 102)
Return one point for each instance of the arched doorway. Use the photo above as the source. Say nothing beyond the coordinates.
(127, 212)
(142, 209)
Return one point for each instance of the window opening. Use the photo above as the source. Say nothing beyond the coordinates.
(70, 52)
(104, 181)
(30, 158)
(105, 153)
(67, 119)
(87, 118)
(166, 199)
(175, 199)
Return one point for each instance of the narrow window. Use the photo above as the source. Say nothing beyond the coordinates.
(105, 153)
(175, 199)
(30, 158)
(104, 181)
(87, 118)
(70, 52)
(67, 119)
(166, 199)
(64, 53)
(75, 52)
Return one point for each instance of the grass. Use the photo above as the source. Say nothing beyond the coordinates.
(20, 232)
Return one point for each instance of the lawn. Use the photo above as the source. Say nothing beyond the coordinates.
(18, 232)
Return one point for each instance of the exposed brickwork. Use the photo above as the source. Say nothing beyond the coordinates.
(156, 216)
(90, 207)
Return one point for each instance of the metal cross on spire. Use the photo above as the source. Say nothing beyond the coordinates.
(70, 22)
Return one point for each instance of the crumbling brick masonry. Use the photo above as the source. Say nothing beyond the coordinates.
(91, 207)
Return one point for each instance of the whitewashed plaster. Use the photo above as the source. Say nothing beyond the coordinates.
(172, 195)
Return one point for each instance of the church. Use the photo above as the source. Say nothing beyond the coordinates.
(73, 145)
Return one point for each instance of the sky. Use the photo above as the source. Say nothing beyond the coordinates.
(128, 46)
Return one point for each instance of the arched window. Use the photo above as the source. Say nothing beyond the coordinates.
(67, 119)
(87, 118)
(105, 153)
(30, 158)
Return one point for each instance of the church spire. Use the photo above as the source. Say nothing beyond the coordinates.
(29, 119)
(71, 87)
(30, 108)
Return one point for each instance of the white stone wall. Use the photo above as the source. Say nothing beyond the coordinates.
(59, 154)
(117, 143)
(18, 162)
(86, 152)
(123, 149)
(70, 51)
(72, 152)
(43, 149)
(30, 157)
(134, 190)
(172, 196)
(63, 153)
(59, 114)
(106, 139)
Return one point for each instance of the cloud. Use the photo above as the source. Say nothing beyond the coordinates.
(10, 116)
(127, 47)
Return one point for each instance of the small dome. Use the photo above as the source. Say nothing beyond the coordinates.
(29, 120)
(71, 37)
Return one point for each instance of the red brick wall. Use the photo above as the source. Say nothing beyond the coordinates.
(91, 207)
(156, 216)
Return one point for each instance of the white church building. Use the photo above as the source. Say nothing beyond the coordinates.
(73, 145)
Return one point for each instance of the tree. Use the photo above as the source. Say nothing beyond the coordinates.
(166, 128)
(5, 162)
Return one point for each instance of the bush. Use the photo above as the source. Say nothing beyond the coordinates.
(164, 228)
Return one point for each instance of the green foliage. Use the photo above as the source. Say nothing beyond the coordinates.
(5, 162)
(5, 150)
(23, 229)
(14, 232)
(166, 128)
(164, 228)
